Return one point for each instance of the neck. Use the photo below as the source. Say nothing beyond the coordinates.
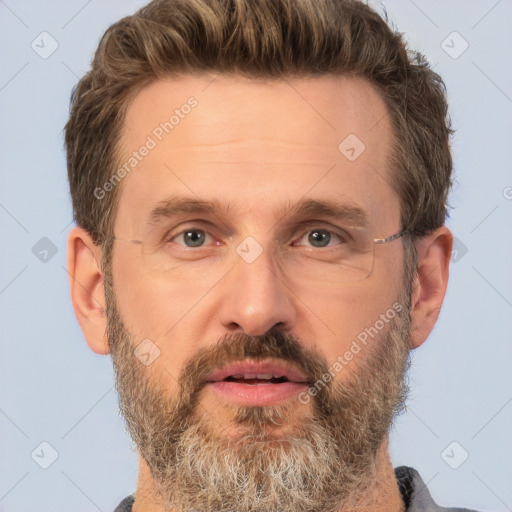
(382, 496)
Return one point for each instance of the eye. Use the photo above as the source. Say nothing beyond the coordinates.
(192, 238)
(319, 238)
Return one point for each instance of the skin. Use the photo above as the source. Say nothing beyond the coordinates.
(258, 157)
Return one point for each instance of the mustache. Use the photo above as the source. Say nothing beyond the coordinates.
(274, 344)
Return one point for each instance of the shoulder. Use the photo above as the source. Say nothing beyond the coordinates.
(415, 492)
(126, 504)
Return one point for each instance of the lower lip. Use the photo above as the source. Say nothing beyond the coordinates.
(257, 394)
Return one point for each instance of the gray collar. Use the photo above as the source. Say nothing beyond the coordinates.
(414, 492)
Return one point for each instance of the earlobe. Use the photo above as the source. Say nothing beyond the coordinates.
(431, 281)
(87, 291)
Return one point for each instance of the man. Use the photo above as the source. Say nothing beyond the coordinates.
(260, 195)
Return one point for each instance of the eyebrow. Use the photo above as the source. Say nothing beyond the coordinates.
(177, 205)
(348, 212)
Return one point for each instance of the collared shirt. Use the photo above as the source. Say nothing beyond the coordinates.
(414, 492)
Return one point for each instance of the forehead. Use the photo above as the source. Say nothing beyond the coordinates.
(253, 145)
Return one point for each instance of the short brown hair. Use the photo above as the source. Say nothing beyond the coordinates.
(265, 39)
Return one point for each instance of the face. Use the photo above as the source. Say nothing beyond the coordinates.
(253, 323)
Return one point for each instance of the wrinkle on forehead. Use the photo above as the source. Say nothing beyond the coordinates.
(259, 143)
(239, 112)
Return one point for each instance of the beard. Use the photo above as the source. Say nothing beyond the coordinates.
(325, 460)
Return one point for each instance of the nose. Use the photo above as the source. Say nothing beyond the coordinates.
(256, 298)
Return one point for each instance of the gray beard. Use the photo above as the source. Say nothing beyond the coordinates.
(326, 462)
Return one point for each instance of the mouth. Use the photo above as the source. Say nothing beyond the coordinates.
(257, 383)
(253, 372)
(251, 379)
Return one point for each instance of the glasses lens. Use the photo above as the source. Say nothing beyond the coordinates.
(319, 256)
(331, 258)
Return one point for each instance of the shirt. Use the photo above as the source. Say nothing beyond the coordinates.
(414, 492)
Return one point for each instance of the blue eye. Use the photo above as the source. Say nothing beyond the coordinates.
(191, 238)
(319, 238)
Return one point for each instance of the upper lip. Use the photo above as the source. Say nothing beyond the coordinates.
(251, 369)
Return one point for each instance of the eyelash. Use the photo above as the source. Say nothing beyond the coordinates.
(169, 238)
(188, 230)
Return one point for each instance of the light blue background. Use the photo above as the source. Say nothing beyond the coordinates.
(54, 389)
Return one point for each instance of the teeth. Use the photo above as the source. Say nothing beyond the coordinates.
(262, 376)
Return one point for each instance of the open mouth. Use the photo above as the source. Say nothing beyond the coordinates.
(257, 372)
(257, 383)
(263, 378)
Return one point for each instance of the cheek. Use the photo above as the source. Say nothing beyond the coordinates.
(347, 314)
(155, 311)
(170, 313)
(150, 306)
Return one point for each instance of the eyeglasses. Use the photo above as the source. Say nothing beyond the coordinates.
(323, 255)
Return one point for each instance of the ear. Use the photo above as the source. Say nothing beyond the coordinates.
(87, 292)
(429, 288)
